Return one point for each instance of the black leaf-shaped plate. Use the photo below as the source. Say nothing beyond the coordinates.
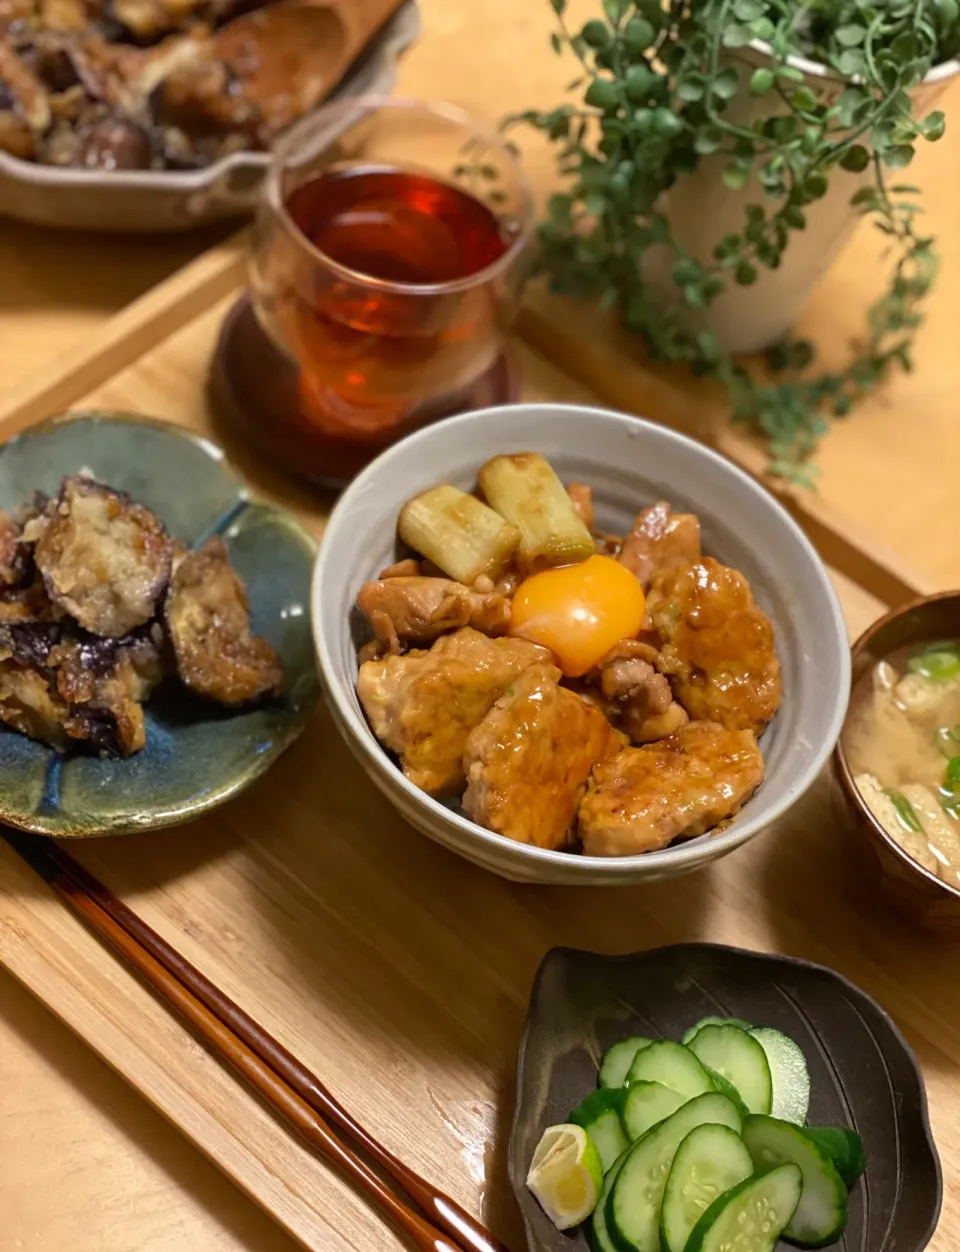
(863, 1073)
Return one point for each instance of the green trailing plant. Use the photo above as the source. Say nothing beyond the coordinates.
(658, 80)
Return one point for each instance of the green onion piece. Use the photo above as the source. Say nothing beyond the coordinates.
(908, 818)
(939, 667)
(942, 645)
(948, 740)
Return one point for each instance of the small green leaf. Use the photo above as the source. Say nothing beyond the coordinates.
(638, 35)
(726, 83)
(815, 186)
(638, 81)
(761, 81)
(556, 43)
(745, 274)
(693, 296)
(615, 9)
(602, 94)
(855, 159)
(595, 34)
(790, 73)
(685, 271)
(708, 140)
(734, 177)
(794, 216)
(666, 124)
(558, 6)
(898, 158)
(851, 63)
(749, 10)
(736, 36)
(692, 88)
(933, 125)
(850, 36)
(804, 99)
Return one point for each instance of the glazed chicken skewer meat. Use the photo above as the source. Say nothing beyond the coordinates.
(480, 693)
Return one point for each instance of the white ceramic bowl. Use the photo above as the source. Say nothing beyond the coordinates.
(629, 463)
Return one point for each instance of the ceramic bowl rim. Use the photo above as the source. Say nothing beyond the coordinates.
(850, 789)
(737, 952)
(357, 732)
(188, 810)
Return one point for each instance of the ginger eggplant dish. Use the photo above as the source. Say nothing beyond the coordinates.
(98, 604)
(129, 85)
(575, 690)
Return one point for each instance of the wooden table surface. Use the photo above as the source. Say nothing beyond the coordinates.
(87, 1166)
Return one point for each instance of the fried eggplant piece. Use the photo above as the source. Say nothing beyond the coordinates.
(424, 705)
(104, 559)
(404, 610)
(208, 620)
(100, 690)
(24, 104)
(528, 761)
(643, 798)
(658, 540)
(717, 645)
(29, 701)
(14, 555)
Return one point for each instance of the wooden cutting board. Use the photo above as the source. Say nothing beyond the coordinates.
(397, 971)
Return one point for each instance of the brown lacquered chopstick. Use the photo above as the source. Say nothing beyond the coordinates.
(295, 1092)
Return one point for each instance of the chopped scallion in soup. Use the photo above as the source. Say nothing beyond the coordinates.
(902, 742)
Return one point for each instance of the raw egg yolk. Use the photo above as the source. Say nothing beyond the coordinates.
(579, 611)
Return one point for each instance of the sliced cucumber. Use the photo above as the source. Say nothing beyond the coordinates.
(751, 1217)
(648, 1103)
(844, 1148)
(618, 1059)
(788, 1070)
(712, 1021)
(633, 1207)
(674, 1066)
(821, 1215)
(725, 1087)
(598, 1236)
(600, 1116)
(740, 1059)
(710, 1161)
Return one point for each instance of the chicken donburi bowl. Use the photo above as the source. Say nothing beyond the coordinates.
(555, 659)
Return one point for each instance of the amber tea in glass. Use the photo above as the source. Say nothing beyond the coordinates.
(387, 264)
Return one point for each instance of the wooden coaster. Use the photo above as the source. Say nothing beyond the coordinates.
(256, 387)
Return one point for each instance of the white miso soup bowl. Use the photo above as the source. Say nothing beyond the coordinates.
(629, 463)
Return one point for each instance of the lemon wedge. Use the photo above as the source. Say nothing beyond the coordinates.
(566, 1175)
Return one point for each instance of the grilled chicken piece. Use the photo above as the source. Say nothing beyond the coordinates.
(640, 699)
(418, 610)
(643, 798)
(104, 559)
(658, 540)
(717, 645)
(581, 497)
(528, 761)
(424, 705)
(208, 619)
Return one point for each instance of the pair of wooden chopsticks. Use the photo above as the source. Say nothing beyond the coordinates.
(285, 1084)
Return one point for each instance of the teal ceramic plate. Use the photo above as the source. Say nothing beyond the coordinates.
(197, 755)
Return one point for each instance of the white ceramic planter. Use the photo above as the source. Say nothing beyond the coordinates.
(702, 210)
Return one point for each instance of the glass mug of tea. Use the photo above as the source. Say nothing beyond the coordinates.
(387, 262)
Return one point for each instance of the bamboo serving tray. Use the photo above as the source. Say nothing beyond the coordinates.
(396, 971)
